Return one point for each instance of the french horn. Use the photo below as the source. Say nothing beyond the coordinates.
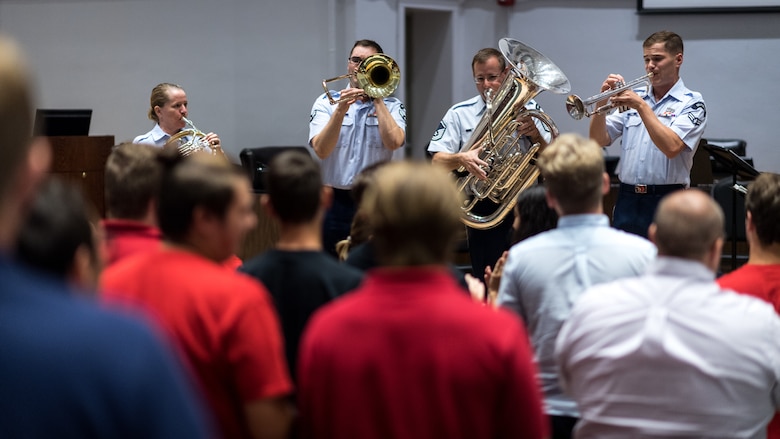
(191, 140)
(511, 167)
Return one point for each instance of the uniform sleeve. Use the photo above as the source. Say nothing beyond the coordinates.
(321, 111)
(690, 123)
(543, 129)
(398, 111)
(446, 138)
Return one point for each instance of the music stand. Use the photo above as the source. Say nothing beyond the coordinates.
(739, 169)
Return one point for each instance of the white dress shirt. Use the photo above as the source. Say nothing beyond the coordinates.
(670, 354)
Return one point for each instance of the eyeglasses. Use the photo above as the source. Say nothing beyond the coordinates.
(355, 59)
(491, 78)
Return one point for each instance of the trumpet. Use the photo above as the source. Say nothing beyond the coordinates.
(579, 108)
(192, 140)
(378, 75)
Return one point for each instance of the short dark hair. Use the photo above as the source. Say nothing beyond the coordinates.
(367, 43)
(132, 180)
(60, 221)
(483, 55)
(673, 43)
(294, 182)
(535, 215)
(188, 182)
(763, 203)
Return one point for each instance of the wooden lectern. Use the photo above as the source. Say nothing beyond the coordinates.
(82, 160)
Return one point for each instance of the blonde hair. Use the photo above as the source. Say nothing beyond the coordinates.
(16, 106)
(414, 214)
(573, 169)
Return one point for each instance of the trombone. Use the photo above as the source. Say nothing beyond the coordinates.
(579, 108)
(378, 76)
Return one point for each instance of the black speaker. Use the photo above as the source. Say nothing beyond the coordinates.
(257, 160)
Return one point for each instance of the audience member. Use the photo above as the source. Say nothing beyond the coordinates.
(132, 183)
(408, 355)
(670, 353)
(353, 249)
(300, 276)
(70, 369)
(222, 322)
(61, 236)
(545, 274)
(760, 277)
(532, 216)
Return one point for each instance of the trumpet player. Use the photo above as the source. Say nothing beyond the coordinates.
(348, 136)
(660, 128)
(489, 69)
(168, 109)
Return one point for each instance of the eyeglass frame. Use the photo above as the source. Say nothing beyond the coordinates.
(490, 78)
(353, 59)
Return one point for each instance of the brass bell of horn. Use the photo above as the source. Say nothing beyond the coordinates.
(378, 75)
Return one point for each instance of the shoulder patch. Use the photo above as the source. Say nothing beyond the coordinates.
(695, 119)
(439, 133)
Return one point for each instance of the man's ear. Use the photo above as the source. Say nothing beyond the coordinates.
(749, 225)
(265, 204)
(605, 184)
(651, 231)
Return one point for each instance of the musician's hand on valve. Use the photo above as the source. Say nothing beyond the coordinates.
(628, 99)
(609, 84)
(213, 140)
(471, 161)
(349, 96)
(527, 127)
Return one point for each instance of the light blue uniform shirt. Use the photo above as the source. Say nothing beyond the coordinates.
(460, 121)
(156, 137)
(641, 161)
(359, 144)
(546, 273)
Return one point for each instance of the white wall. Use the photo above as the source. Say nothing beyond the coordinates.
(252, 68)
(729, 58)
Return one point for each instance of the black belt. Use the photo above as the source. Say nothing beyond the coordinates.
(656, 189)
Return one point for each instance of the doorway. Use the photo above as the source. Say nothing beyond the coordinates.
(428, 47)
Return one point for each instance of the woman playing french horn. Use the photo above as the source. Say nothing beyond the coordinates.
(168, 108)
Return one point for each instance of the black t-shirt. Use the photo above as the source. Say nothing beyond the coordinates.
(300, 282)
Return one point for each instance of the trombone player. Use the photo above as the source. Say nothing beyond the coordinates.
(350, 135)
(661, 130)
(489, 68)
